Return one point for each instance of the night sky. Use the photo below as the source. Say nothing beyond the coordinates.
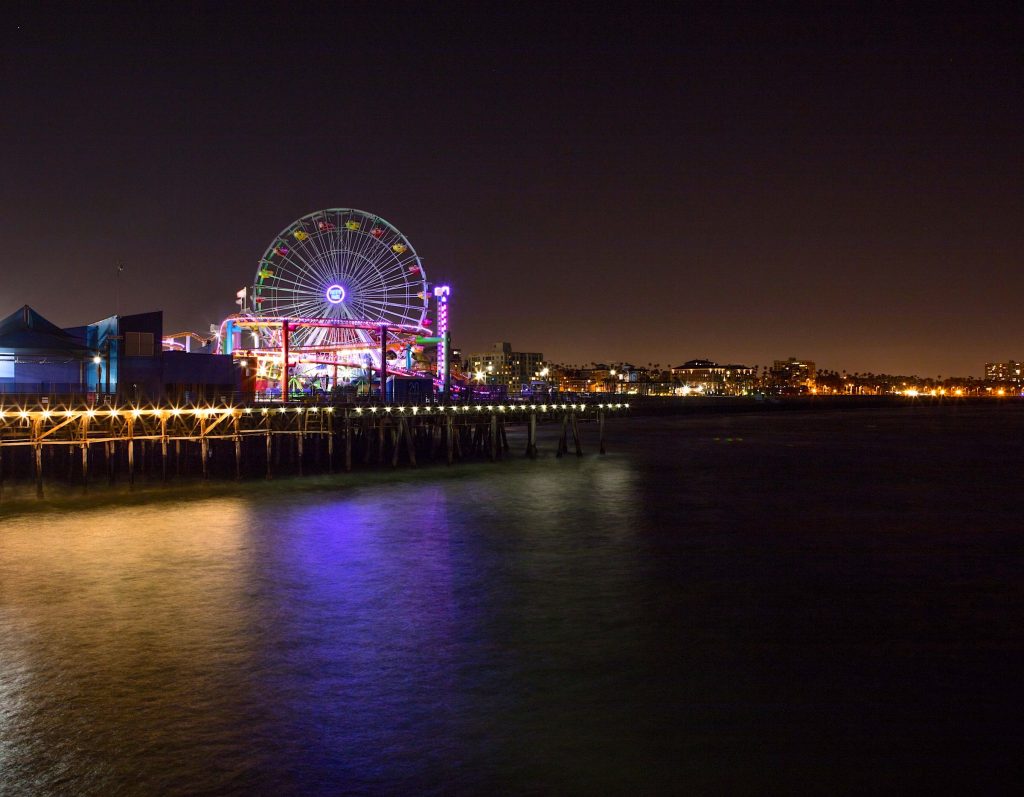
(840, 182)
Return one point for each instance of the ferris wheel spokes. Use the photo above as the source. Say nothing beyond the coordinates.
(341, 263)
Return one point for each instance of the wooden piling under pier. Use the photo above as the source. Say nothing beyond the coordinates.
(238, 442)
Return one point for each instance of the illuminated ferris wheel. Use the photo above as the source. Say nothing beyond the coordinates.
(341, 264)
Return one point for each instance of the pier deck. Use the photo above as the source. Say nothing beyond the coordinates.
(79, 445)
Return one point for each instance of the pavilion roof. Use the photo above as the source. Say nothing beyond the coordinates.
(26, 332)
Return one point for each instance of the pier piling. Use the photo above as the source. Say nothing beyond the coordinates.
(163, 447)
(348, 444)
(238, 451)
(330, 443)
(270, 452)
(36, 427)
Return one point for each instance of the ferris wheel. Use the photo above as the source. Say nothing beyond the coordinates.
(341, 264)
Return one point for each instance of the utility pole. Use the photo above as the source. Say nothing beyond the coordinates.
(117, 289)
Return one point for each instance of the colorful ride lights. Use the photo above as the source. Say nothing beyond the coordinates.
(335, 294)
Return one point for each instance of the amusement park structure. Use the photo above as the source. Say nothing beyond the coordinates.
(340, 295)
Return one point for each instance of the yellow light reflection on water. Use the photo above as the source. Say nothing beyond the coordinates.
(106, 586)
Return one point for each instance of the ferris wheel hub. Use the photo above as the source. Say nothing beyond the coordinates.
(335, 294)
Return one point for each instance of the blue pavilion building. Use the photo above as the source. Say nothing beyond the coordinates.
(120, 356)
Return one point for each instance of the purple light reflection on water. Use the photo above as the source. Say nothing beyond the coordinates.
(394, 648)
(364, 661)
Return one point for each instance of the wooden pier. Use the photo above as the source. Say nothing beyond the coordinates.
(87, 445)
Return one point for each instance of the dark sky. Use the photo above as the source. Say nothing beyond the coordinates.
(840, 182)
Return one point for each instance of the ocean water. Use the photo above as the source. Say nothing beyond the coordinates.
(787, 602)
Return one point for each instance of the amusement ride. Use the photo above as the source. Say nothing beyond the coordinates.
(340, 296)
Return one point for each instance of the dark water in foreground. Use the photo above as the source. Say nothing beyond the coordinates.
(780, 603)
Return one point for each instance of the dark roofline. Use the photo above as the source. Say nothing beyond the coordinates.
(27, 332)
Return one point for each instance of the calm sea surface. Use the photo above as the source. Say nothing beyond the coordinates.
(787, 602)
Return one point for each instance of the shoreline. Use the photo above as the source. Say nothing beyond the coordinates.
(695, 405)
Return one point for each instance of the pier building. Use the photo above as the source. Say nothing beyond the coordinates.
(117, 358)
(37, 356)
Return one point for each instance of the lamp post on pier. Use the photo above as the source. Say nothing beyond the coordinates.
(383, 364)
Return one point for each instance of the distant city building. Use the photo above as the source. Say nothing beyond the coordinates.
(707, 376)
(502, 366)
(606, 378)
(600, 376)
(627, 372)
(792, 373)
(626, 378)
(1009, 371)
(573, 380)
